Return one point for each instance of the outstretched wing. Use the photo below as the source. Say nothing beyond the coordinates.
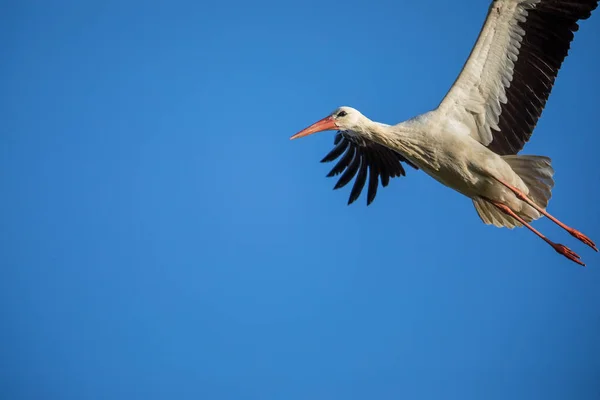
(359, 158)
(508, 77)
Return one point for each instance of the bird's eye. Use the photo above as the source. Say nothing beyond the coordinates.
(342, 114)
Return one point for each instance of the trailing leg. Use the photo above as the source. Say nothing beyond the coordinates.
(561, 249)
(574, 232)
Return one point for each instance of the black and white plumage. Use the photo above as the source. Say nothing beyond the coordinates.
(470, 142)
(509, 75)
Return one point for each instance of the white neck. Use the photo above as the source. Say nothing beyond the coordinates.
(406, 140)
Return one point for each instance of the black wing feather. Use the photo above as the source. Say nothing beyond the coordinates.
(361, 178)
(373, 178)
(364, 159)
(338, 137)
(343, 162)
(350, 172)
(336, 152)
(549, 31)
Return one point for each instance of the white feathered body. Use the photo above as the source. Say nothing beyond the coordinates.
(445, 149)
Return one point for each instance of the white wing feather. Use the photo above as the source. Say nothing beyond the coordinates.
(478, 93)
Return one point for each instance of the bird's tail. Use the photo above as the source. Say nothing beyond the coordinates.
(536, 172)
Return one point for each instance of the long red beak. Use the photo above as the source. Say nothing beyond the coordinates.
(326, 124)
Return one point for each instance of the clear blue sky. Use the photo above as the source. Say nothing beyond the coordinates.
(163, 239)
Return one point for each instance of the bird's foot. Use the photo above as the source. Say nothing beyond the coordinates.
(575, 233)
(565, 251)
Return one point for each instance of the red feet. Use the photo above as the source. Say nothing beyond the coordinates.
(575, 233)
(583, 238)
(561, 249)
(565, 251)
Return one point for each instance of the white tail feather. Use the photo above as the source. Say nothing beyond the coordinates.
(536, 172)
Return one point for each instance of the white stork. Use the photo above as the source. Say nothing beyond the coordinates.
(471, 140)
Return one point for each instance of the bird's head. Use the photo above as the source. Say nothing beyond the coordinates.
(342, 119)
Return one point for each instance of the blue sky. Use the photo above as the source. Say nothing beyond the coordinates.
(162, 238)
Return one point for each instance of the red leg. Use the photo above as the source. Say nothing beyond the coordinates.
(561, 249)
(574, 232)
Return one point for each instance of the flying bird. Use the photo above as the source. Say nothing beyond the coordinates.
(470, 142)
